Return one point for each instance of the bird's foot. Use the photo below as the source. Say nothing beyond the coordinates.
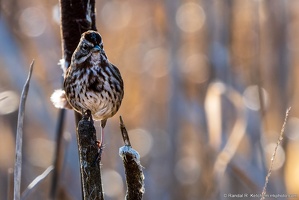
(100, 146)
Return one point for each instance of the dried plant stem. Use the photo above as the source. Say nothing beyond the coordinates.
(76, 17)
(58, 158)
(19, 137)
(89, 155)
(124, 132)
(133, 168)
(274, 153)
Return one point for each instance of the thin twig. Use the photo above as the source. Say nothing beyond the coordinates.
(36, 182)
(19, 137)
(274, 153)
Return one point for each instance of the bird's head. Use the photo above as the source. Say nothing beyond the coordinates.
(90, 48)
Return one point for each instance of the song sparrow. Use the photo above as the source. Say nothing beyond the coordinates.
(91, 83)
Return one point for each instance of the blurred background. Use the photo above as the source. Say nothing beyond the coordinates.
(207, 85)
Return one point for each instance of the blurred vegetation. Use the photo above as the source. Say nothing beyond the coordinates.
(207, 84)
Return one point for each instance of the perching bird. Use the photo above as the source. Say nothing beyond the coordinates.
(91, 82)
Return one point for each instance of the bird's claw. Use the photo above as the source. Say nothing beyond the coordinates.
(100, 146)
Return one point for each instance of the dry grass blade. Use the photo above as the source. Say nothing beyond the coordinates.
(274, 153)
(33, 185)
(234, 140)
(19, 137)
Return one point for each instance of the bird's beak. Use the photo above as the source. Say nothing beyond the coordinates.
(96, 48)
